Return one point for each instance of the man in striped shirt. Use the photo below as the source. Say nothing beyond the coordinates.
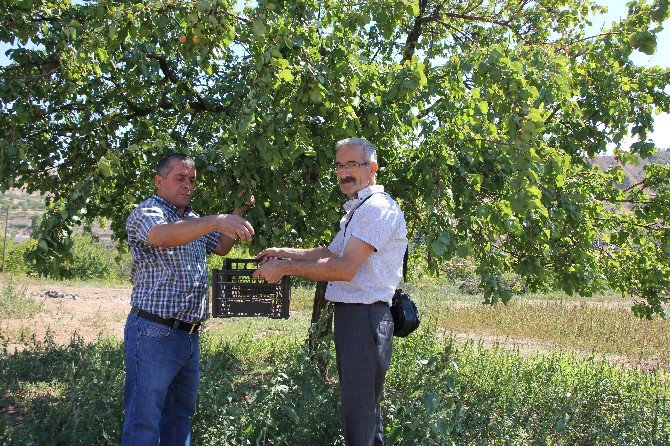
(363, 265)
(170, 299)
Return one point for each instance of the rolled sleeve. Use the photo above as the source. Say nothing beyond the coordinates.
(142, 220)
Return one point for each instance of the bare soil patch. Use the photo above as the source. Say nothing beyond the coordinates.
(91, 312)
(94, 312)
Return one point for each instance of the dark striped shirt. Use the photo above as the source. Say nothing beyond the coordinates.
(170, 282)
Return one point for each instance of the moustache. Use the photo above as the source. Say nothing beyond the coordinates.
(346, 180)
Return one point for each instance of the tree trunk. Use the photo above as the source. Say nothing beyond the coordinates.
(320, 328)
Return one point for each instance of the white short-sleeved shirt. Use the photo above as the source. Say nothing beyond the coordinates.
(380, 223)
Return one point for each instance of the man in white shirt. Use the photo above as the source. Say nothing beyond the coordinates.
(363, 266)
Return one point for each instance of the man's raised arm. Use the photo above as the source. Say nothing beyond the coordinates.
(181, 232)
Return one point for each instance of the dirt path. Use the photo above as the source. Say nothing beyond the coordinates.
(87, 311)
(91, 312)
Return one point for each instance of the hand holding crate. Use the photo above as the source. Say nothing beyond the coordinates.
(236, 294)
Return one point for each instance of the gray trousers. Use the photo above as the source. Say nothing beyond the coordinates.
(363, 344)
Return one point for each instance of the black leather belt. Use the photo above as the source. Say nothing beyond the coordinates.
(353, 304)
(172, 322)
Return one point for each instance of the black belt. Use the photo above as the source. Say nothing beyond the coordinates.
(172, 322)
(353, 304)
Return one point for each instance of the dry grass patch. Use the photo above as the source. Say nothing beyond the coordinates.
(605, 329)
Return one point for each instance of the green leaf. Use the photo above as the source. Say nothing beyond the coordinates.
(560, 424)
(438, 247)
(258, 28)
(286, 75)
(430, 402)
(203, 6)
(644, 41)
(281, 63)
(414, 7)
(316, 96)
(244, 123)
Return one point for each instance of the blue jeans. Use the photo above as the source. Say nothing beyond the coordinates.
(162, 379)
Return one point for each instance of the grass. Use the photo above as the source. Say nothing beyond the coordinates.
(603, 325)
(588, 328)
(33, 279)
(14, 303)
(263, 390)
(258, 387)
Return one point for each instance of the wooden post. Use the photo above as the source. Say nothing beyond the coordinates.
(4, 241)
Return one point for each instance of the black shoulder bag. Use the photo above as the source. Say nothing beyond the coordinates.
(405, 314)
(406, 317)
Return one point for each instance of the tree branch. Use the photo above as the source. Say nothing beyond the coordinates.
(415, 33)
(167, 72)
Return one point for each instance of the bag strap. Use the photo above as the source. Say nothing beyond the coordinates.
(404, 263)
(405, 258)
(354, 210)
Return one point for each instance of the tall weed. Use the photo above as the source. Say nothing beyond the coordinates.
(14, 303)
(264, 391)
(586, 327)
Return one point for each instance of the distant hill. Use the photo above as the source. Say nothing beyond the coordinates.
(634, 172)
(25, 212)
(24, 209)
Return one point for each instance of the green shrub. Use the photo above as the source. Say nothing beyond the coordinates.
(89, 259)
(14, 303)
(440, 394)
(62, 395)
(15, 261)
(264, 391)
(92, 259)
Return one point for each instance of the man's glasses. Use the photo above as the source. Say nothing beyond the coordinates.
(348, 166)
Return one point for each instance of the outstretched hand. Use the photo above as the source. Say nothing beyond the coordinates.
(235, 227)
(270, 269)
(268, 253)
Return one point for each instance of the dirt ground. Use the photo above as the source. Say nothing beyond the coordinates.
(91, 312)
(87, 311)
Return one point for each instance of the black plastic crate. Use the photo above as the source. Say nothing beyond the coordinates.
(236, 294)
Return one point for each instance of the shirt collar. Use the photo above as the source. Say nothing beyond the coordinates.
(171, 206)
(362, 195)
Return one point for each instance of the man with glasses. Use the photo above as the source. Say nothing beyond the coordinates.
(363, 266)
(170, 299)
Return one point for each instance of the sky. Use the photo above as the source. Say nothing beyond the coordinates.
(616, 9)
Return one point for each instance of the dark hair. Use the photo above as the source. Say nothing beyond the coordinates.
(163, 168)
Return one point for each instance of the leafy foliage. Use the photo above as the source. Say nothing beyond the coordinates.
(484, 113)
(266, 392)
(14, 303)
(87, 259)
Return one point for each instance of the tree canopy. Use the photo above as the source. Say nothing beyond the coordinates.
(485, 114)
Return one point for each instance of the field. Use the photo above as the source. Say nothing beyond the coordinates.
(541, 371)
